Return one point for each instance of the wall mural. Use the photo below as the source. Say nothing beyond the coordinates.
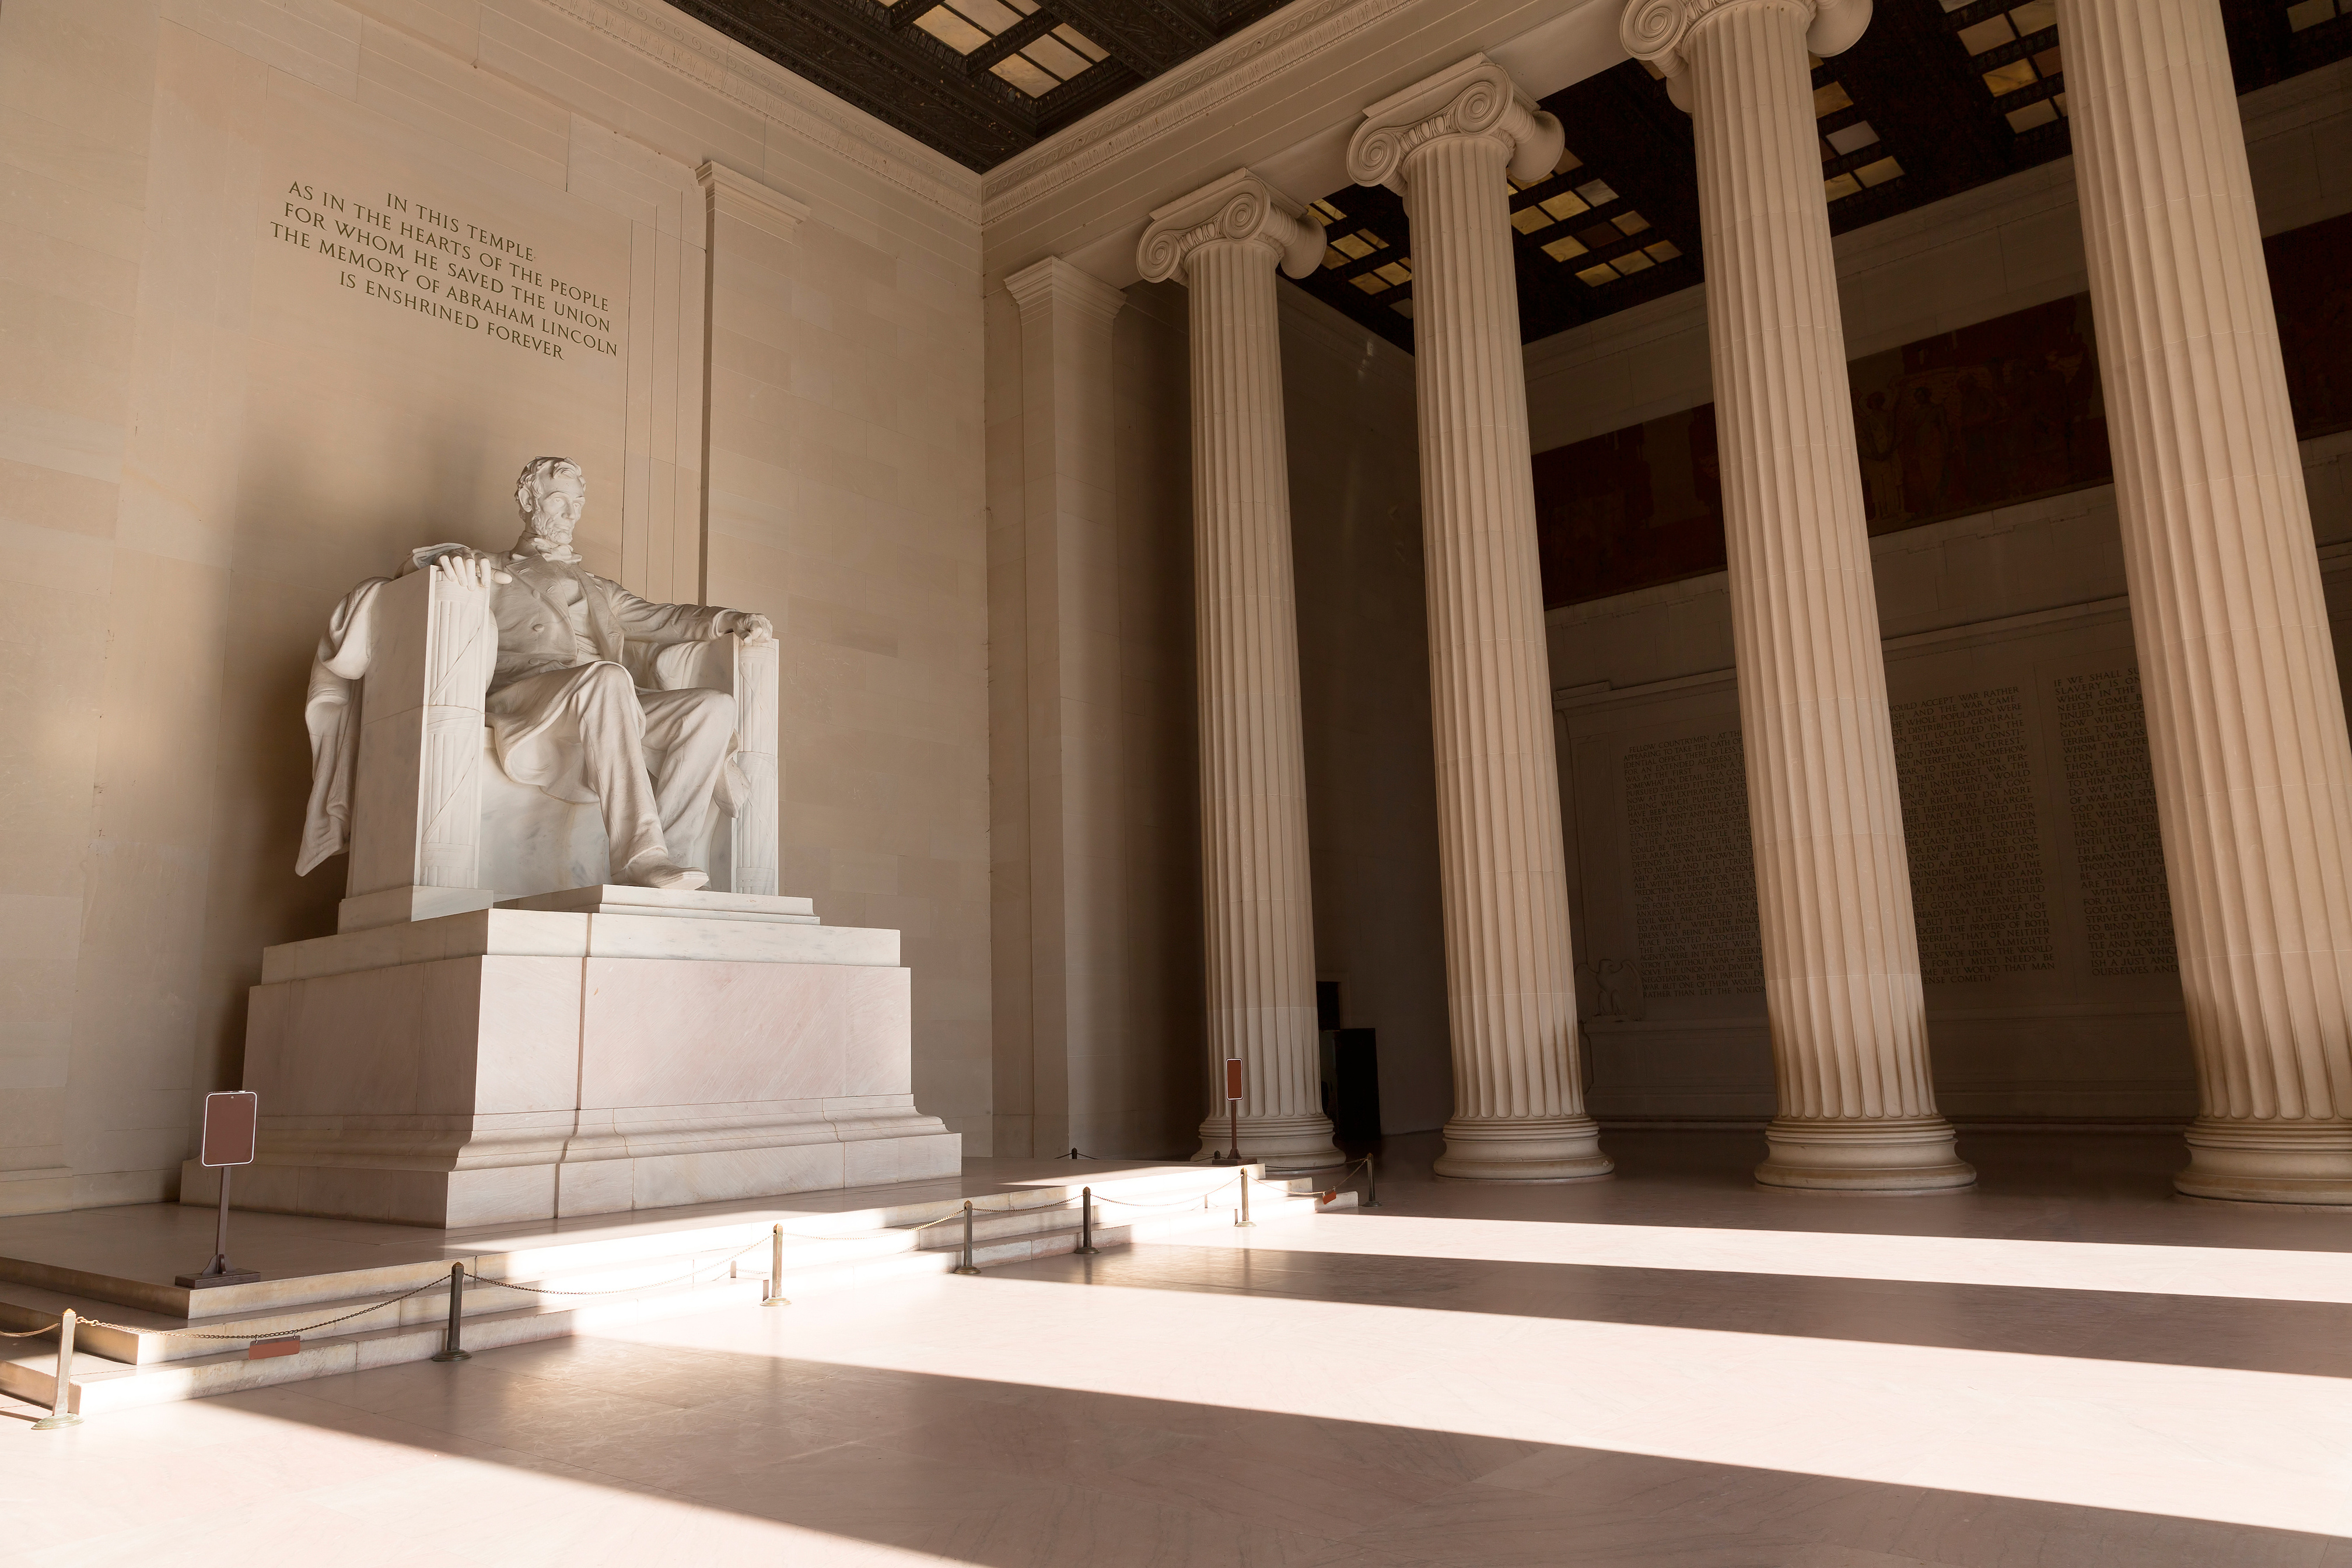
(1988, 415)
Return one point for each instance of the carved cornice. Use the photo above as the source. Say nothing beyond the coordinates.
(731, 193)
(1241, 206)
(1054, 281)
(1192, 91)
(1657, 31)
(733, 72)
(1147, 36)
(1474, 98)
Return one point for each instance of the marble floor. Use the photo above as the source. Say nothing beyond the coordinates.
(2067, 1367)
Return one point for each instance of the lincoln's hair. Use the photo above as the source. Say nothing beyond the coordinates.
(537, 476)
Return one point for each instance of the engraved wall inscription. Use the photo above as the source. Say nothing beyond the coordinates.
(1976, 887)
(405, 255)
(1694, 868)
(2111, 794)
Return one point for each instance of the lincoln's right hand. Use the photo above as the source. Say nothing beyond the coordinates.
(470, 572)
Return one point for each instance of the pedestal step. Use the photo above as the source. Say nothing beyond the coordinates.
(156, 1357)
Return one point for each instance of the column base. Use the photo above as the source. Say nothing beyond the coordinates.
(1278, 1142)
(2308, 1163)
(1892, 1156)
(1523, 1149)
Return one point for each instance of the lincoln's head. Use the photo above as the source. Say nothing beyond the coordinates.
(551, 493)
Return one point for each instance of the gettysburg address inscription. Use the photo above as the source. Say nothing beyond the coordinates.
(408, 255)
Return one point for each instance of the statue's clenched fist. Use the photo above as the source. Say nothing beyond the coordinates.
(750, 627)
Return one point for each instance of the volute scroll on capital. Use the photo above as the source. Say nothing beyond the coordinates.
(1241, 206)
(1474, 98)
(1657, 31)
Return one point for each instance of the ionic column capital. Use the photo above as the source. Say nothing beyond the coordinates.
(1475, 98)
(1657, 30)
(1241, 206)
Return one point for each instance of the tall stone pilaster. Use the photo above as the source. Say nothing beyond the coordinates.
(1223, 242)
(2245, 718)
(1446, 145)
(1857, 1107)
(1059, 1073)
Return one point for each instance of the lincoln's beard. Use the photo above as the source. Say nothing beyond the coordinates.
(547, 549)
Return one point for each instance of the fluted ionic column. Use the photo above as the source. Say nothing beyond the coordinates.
(1518, 1101)
(1224, 241)
(2245, 719)
(1857, 1109)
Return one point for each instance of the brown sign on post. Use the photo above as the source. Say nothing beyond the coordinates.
(230, 1120)
(1233, 1078)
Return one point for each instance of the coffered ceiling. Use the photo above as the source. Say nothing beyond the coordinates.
(1938, 96)
(979, 79)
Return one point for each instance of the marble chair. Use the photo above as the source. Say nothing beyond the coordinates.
(436, 826)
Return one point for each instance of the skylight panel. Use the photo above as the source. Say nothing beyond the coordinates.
(1853, 139)
(2026, 87)
(1026, 73)
(1095, 53)
(1057, 57)
(953, 29)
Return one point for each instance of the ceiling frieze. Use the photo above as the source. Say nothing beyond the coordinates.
(1291, 38)
(735, 71)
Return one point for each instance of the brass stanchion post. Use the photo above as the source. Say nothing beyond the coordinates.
(775, 1297)
(1244, 1222)
(61, 1407)
(967, 1265)
(1087, 1221)
(450, 1349)
(1372, 1185)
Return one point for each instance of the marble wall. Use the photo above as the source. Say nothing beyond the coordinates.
(293, 285)
(1363, 655)
(2011, 673)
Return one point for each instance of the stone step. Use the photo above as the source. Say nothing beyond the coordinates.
(114, 1370)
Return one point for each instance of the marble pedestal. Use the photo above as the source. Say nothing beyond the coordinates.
(578, 1053)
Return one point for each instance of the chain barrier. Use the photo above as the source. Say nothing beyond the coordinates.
(477, 1280)
(615, 1291)
(294, 1333)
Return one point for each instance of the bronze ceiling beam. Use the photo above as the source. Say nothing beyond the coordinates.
(1010, 41)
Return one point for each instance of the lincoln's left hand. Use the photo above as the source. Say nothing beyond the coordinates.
(751, 627)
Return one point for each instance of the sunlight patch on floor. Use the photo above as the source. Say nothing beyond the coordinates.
(2243, 1447)
(2240, 1273)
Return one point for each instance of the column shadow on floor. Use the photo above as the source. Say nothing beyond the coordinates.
(1012, 1476)
(2228, 1333)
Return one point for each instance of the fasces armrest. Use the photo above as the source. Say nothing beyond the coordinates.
(745, 671)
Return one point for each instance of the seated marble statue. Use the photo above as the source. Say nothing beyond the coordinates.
(564, 712)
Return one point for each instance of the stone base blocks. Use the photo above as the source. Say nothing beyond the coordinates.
(584, 1052)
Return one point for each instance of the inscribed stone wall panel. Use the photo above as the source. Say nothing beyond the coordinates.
(1693, 867)
(2111, 797)
(2028, 1014)
(1978, 894)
